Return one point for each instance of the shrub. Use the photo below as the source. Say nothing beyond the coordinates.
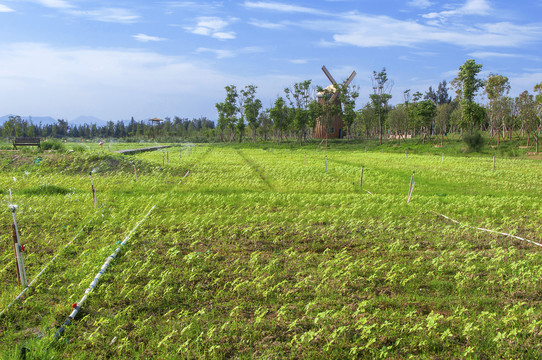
(52, 145)
(474, 141)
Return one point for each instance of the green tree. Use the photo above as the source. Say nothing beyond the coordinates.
(252, 107)
(528, 116)
(279, 115)
(425, 112)
(227, 111)
(380, 97)
(347, 97)
(299, 97)
(497, 88)
(469, 84)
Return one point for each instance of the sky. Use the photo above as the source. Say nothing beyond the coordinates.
(159, 58)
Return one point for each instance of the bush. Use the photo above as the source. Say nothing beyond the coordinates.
(52, 145)
(474, 141)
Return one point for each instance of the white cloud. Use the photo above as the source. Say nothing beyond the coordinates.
(55, 4)
(422, 4)
(147, 38)
(281, 7)
(219, 53)
(266, 24)
(5, 9)
(212, 26)
(376, 31)
(223, 53)
(113, 15)
(489, 54)
(471, 7)
(299, 61)
(106, 14)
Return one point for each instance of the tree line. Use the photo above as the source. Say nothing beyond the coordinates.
(132, 130)
(479, 105)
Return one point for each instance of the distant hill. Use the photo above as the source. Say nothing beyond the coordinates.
(36, 120)
(83, 119)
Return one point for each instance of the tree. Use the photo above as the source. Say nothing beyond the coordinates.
(397, 119)
(347, 97)
(252, 108)
(299, 97)
(469, 84)
(497, 88)
(380, 97)
(527, 111)
(367, 117)
(227, 111)
(424, 112)
(279, 115)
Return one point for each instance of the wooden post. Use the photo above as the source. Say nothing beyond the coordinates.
(493, 162)
(326, 163)
(93, 191)
(410, 193)
(163, 159)
(411, 187)
(167, 154)
(135, 173)
(181, 153)
(442, 157)
(281, 153)
(21, 272)
(361, 178)
(305, 158)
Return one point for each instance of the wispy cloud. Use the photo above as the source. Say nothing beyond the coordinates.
(471, 7)
(113, 15)
(147, 38)
(378, 31)
(5, 9)
(212, 26)
(422, 4)
(282, 7)
(224, 53)
(299, 61)
(267, 24)
(55, 4)
(105, 14)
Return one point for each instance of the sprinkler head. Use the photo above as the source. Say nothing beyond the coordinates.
(13, 208)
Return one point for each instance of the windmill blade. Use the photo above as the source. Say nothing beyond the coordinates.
(334, 96)
(324, 69)
(350, 78)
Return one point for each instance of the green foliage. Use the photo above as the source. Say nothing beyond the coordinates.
(470, 84)
(254, 252)
(52, 144)
(475, 141)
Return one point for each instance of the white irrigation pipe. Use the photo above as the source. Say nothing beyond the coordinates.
(98, 276)
(489, 230)
(41, 272)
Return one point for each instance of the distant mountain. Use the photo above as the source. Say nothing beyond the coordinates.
(36, 120)
(81, 120)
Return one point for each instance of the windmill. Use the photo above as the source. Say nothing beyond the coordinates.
(336, 128)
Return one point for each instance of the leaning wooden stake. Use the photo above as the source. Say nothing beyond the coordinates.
(21, 272)
(163, 159)
(411, 187)
(93, 191)
(361, 178)
(326, 164)
(442, 157)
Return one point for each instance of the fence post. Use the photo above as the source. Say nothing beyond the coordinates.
(21, 272)
(361, 178)
(93, 191)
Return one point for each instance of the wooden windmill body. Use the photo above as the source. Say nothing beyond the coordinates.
(336, 130)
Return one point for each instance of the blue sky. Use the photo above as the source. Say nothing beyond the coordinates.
(114, 60)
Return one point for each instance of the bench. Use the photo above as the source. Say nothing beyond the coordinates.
(27, 141)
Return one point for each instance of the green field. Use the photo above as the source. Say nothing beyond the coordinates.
(255, 254)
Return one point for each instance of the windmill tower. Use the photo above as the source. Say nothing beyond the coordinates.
(337, 125)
